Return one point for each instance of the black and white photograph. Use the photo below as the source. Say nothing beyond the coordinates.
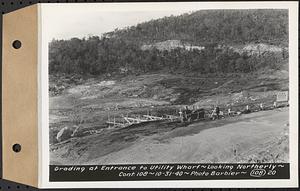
(168, 86)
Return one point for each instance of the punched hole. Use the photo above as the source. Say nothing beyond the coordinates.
(17, 44)
(16, 148)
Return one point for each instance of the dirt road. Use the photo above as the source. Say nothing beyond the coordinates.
(255, 137)
(258, 136)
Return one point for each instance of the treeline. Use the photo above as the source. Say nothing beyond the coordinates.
(213, 26)
(114, 56)
(120, 51)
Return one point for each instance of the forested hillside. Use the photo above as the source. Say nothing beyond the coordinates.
(120, 51)
(213, 26)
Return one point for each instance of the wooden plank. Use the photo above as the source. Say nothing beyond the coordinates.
(153, 117)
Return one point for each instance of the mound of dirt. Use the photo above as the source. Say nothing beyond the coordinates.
(256, 137)
(95, 100)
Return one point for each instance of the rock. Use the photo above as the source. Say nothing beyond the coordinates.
(107, 83)
(64, 134)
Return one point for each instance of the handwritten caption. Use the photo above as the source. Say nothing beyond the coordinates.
(177, 171)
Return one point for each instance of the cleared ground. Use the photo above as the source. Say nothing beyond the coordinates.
(86, 106)
(255, 137)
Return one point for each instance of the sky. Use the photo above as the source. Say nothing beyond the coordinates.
(68, 20)
(65, 21)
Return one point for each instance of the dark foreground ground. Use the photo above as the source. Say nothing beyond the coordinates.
(255, 137)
